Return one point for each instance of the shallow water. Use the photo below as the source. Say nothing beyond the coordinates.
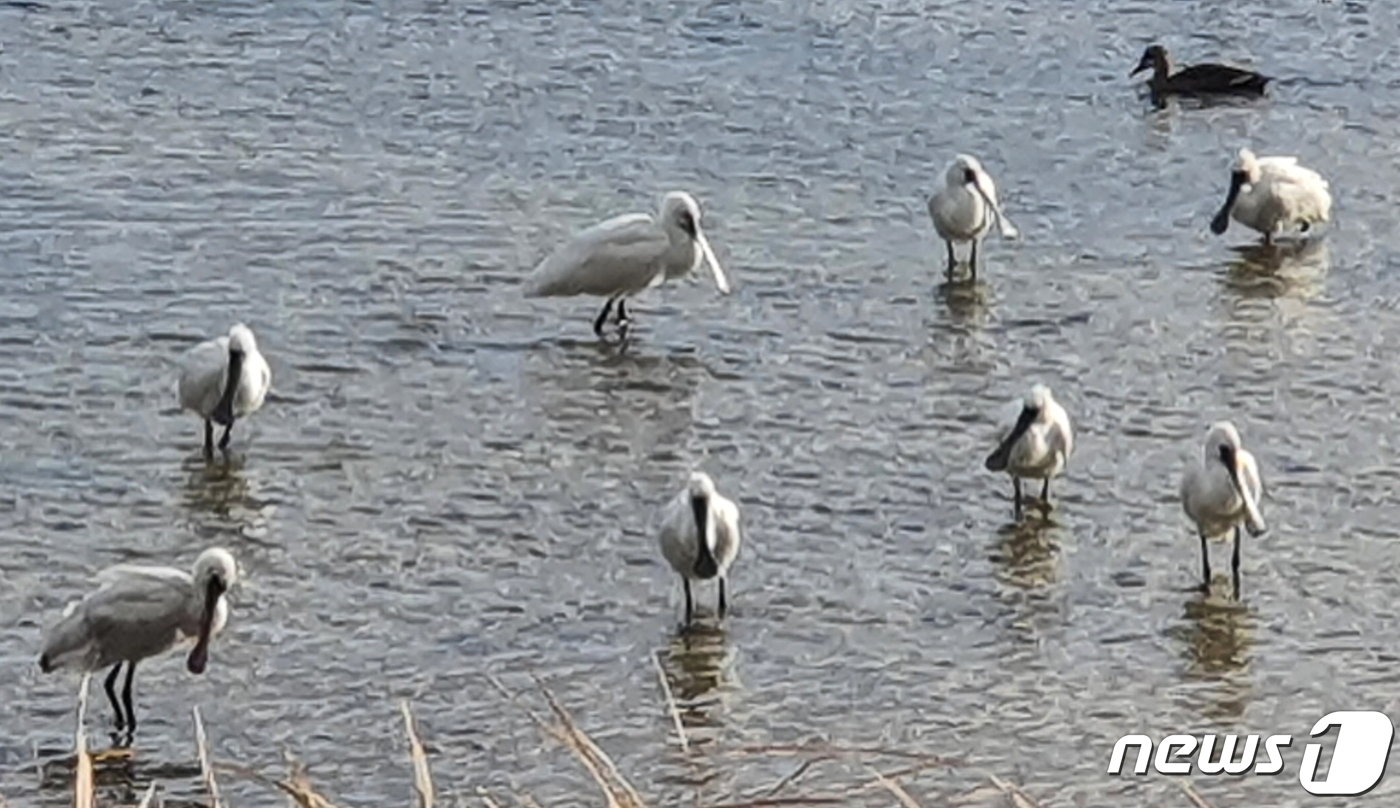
(451, 481)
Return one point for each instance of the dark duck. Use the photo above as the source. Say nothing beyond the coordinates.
(1206, 79)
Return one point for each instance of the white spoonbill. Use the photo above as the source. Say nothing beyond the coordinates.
(224, 379)
(1221, 495)
(1036, 442)
(700, 536)
(139, 612)
(963, 211)
(1273, 194)
(626, 255)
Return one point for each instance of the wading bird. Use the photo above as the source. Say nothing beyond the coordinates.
(1036, 444)
(139, 612)
(1273, 194)
(964, 209)
(222, 380)
(1221, 495)
(1205, 79)
(699, 536)
(626, 255)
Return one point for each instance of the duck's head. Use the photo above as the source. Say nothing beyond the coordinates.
(1154, 58)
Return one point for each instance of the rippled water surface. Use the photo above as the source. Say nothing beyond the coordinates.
(450, 480)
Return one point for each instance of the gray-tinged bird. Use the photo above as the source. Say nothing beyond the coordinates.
(1036, 442)
(626, 255)
(699, 536)
(224, 379)
(139, 612)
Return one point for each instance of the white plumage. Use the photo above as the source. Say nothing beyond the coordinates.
(1221, 494)
(222, 380)
(139, 612)
(699, 536)
(964, 210)
(1035, 442)
(1273, 195)
(626, 255)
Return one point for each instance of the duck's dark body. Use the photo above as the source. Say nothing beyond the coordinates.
(1206, 79)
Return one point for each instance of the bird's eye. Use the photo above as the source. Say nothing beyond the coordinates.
(969, 176)
(686, 222)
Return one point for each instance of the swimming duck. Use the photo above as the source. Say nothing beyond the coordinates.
(1204, 79)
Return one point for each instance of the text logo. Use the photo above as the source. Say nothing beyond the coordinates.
(1358, 762)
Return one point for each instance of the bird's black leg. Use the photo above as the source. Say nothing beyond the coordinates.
(208, 438)
(1045, 492)
(952, 259)
(723, 605)
(1205, 564)
(111, 687)
(689, 604)
(622, 321)
(972, 262)
(223, 442)
(1016, 494)
(602, 318)
(126, 697)
(1235, 562)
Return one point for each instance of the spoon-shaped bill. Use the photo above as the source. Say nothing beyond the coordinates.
(720, 280)
(1008, 230)
(1221, 221)
(199, 655)
(1001, 457)
(1254, 520)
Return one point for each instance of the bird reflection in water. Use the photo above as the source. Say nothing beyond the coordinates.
(1217, 635)
(1294, 269)
(1027, 552)
(696, 664)
(966, 302)
(120, 775)
(219, 496)
(215, 487)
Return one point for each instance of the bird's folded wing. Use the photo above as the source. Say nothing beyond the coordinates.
(622, 254)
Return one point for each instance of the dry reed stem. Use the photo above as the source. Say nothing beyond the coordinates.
(670, 700)
(206, 771)
(422, 778)
(773, 802)
(633, 797)
(527, 801)
(83, 787)
(1019, 798)
(149, 798)
(1194, 795)
(297, 788)
(486, 798)
(894, 788)
(298, 784)
(839, 750)
(792, 776)
(568, 739)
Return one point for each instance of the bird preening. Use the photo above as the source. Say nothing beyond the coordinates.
(138, 612)
(628, 254)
